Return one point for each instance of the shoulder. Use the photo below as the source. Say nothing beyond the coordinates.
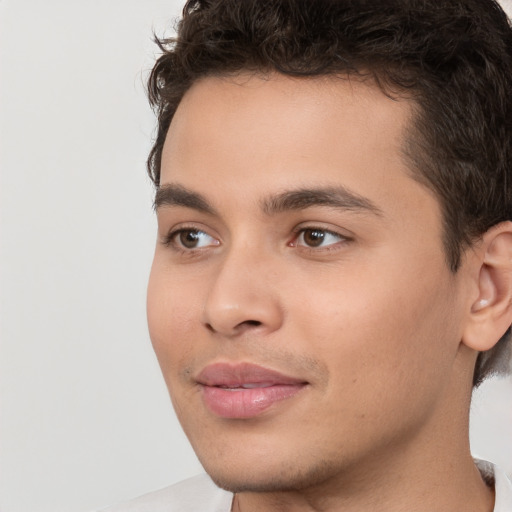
(502, 485)
(503, 488)
(195, 494)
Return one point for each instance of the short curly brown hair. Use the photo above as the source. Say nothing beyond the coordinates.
(453, 57)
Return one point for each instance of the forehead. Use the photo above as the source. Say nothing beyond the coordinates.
(277, 101)
(229, 132)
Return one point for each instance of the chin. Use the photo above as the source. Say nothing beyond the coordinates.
(268, 478)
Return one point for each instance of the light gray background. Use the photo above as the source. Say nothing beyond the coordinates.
(85, 419)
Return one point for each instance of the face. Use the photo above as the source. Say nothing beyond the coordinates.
(299, 304)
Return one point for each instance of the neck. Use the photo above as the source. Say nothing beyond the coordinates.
(449, 486)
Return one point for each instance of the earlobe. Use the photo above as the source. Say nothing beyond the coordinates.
(491, 312)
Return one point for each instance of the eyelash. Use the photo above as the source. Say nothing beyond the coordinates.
(299, 232)
(170, 240)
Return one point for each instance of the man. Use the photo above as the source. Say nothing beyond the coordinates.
(333, 270)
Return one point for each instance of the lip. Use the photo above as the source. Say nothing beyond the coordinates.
(244, 390)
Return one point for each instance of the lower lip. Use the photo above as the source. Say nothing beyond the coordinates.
(246, 403)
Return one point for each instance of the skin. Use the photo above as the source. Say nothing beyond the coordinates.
(372, 318)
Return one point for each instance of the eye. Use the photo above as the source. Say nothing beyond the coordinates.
(317, 237)
(189, 239)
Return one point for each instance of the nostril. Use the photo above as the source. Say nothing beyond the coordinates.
(251, 323)
(238, 328)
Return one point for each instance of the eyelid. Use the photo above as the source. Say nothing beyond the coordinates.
(169, 239)
(299, 231)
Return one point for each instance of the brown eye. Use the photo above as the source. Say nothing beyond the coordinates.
(313, 237)
(317, 237)
(189, 238)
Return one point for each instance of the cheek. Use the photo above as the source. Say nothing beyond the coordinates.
(172, 316)
(376, 329)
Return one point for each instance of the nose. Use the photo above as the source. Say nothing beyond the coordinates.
(243, 296)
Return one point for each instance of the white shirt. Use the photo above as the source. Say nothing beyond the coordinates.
(196, 494)
(200, 494)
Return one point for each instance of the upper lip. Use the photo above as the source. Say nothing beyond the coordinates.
(233, 375)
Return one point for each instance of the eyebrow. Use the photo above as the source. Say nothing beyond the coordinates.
(337, 197)
(176, 195)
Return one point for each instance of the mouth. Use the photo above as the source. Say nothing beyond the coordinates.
(244, 390)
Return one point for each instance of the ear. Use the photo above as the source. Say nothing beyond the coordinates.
(491, 312)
